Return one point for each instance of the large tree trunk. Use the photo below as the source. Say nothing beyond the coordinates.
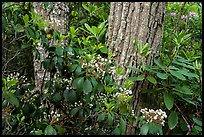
(130, 20)
(56, 14)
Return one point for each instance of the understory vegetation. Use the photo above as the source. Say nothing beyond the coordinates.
(82, 95)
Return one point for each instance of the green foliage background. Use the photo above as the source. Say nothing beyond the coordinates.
(85, 97)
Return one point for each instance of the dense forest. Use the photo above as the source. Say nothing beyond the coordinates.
(101, 68)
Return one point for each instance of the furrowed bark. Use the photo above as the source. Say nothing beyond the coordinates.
(130, 20)
(56, 14)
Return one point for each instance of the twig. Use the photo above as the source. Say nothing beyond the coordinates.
(176, 27)
(17, 53)
(182, 114)
(179, 17)
(17, 38)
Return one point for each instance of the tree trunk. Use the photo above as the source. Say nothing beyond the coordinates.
(130, 20)
(56, 13)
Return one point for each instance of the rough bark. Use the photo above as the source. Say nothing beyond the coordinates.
(128, 20)
(56, 14)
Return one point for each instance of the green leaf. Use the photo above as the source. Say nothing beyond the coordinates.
(101, 117)
(95, 84)
(87, 86)
(189, 100)
(110, 119)
(122, 126)
(73, 68)
(183, 65)
(104, 50)
(183, 90)
(74, 111)
(37, 34)
(60, 130)
(172, 120)
(144, 129)
(177, 74)
(134, 69)
(168, 100)
(59, 51)
(78, 70)
(3, 22)
(12, 83)
(31, 33)
(19, 28)
(50, 130)
(13, 100)
(26, 19)
(78, 83)
(162, 75)
(66, 94)
(137, 78)
(57, 97)
(155, 129)
(152, 79)
(38, 132)
(187, 73)
(159, 63)
(89, 29)
(116, 131)
(198, 128)
(72, 96)
(81, 112)
(197, 121)
(69, 49)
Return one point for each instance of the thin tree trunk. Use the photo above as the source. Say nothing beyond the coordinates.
(56, 14)
(130, 20)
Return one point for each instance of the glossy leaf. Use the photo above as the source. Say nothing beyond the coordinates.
(73, 68)
(78, 83)
(162, 75)
(172, 120)
(168, 100)
(13, 100)
(134, 69)
(72, 96)
(101, 117)
(110, 119)
(74, 111)
(122, 126)
(152, 79)
(116, 131)
(11, 83)
(59, 51)
(137, 78)
(50, 130)
(59, 129)
(26, 19)
(57, 97)
(197, 121)
(177, 74)
(38, 132)
(198, 128)
(87, 86)
(144, 129)
(19, 28)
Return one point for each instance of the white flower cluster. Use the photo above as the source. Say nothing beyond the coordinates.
(101, 98)
(99, 63)
(69, 82)
(53, 116)
(16, 77)
(151, 115)
(123, 92)
(70, 53)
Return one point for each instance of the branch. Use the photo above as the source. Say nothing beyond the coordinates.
(179, 17)
(17, 53)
